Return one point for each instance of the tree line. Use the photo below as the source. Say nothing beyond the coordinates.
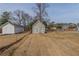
(20, 17)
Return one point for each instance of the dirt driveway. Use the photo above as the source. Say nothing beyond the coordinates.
(50, 44)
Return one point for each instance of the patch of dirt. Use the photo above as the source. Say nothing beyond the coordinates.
(49, 44)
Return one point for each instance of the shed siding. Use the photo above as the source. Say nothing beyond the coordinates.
(8, 29)
(38, 27)
(18, 29)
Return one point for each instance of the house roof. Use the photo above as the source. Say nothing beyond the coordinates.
(40, 21)
(10, 23)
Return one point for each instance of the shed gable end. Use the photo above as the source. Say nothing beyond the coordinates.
(38, 27)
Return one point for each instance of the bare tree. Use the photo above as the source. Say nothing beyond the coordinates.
(40, 11)
(22, 18)
(18, 16)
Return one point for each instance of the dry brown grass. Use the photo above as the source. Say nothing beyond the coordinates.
(50, 44)
(8, 39)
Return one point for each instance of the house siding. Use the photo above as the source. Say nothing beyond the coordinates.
(77, 28)
(18, 29)
(38, 27)
(11, 29)
(8, 29)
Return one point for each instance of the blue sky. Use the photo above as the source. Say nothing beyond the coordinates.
(58, 12)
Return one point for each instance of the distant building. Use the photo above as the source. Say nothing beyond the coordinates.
(77, 27)
(10, 28)
(39, 26)
(65, 27)
(70, 27)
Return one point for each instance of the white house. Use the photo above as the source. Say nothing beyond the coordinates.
(39, 27)
(9, 28)
(78, 28)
